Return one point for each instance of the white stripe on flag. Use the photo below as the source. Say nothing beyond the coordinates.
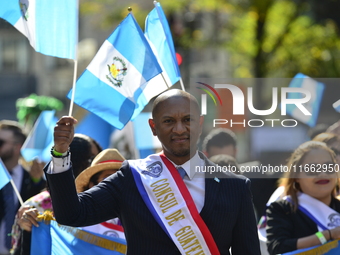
(104, 57)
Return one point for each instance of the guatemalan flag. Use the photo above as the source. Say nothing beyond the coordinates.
(158, 33)
(114, 85)
(50, 26)
(316, 90)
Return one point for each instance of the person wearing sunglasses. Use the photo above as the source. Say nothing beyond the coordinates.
(308, 215)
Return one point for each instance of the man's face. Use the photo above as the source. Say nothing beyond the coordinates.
(178, 127)
(7, 145)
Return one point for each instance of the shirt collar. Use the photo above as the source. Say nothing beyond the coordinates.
(190, 165)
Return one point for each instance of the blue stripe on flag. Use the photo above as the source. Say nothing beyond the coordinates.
(5, 177)
(103, 100)
(10, 11)
(57, 28)
(90, 125)
(144, 139)
(135, 49)
(158, 32)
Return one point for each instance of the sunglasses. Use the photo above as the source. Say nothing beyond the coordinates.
(317, 169)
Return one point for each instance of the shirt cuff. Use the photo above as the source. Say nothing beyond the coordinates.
(59, 165)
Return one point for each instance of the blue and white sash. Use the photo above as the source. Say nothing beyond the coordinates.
(324, 216)
(171, 204)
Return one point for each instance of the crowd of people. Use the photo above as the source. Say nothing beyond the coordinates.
(161, 204)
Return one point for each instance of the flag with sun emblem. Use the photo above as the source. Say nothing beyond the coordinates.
(115, 84)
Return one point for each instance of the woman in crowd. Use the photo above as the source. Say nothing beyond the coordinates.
(308, 215)
(105, 163)
(83, 149)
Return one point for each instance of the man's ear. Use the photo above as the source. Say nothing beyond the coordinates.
(152, 126)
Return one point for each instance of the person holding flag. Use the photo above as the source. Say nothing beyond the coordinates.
(28, 184)
(165, 205)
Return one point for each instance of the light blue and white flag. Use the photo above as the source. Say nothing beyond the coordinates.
(57, 239)
(158, 33)
(5, 177)
(40, 140)
(114, 85)
(316, 90)
(50, 26)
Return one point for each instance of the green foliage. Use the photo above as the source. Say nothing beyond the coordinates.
(264, 38)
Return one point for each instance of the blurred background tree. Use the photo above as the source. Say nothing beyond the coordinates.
(264, 38)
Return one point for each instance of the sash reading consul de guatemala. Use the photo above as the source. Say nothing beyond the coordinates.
(169, 201)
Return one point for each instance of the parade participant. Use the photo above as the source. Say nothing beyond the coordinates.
(161, 213)
(82, 153)
(104, 164)
(307, 215)
(220, 141)
(29, 183)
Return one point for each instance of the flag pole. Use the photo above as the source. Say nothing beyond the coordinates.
(164, 80)
(73, 86)
(182, 85)
(17, 192)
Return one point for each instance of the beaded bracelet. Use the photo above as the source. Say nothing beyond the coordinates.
(56, 154)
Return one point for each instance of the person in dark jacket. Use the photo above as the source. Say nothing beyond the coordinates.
(309, 213)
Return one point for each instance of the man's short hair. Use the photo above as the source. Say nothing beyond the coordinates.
(224, 160)
(219, 137)
(15, 128)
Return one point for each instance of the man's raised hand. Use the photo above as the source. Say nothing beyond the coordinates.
(63, 133)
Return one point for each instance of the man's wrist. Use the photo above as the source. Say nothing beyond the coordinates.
(57, 154)
(36, 180)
